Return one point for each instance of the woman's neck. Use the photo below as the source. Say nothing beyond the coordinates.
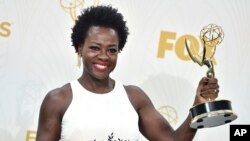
(99, 86)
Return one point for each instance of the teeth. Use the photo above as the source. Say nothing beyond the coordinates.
(100, 66)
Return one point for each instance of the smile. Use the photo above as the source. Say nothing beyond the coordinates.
(101, 66)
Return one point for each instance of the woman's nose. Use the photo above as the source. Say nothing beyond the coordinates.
(103, 55)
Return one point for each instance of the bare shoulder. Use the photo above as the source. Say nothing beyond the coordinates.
(134, 92)
(59, 94)
(132, 89)
(137, 97)
(58, 99)
(51, 113)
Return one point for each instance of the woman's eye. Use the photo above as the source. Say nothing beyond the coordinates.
(94, 48)
(113, 50)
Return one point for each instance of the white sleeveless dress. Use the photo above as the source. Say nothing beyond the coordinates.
(100, 117)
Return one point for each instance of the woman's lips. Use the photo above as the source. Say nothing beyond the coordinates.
(101, 66)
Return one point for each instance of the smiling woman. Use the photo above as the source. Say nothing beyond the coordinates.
(99, 52)
(97, 107)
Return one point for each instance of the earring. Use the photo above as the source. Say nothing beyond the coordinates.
(79, 60)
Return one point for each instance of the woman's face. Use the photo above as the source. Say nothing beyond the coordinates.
(99, 52)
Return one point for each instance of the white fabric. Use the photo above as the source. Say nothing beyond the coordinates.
(99, 117)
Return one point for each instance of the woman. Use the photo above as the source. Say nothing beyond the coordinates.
(97, 107)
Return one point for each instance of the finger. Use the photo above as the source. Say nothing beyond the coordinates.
(210, 94)
(212, 87)
(212, 81)
(204, 80)
(209, 97)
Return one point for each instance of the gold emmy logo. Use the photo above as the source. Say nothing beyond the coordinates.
(72, 6)
(5, 29)
(169, 113)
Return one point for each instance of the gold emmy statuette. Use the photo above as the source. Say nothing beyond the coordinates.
(214, 112)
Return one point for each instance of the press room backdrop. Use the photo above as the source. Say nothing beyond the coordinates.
(36, 56)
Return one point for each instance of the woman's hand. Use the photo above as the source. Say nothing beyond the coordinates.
(207, 90)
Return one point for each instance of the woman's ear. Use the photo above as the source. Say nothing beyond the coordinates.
(79, 55)
(79, 50)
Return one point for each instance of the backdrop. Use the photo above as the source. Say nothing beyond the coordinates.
(36, 56)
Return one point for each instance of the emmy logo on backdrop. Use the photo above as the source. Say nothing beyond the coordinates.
(71, 7)
(214, 112)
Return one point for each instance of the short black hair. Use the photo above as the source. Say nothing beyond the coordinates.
(102, 15)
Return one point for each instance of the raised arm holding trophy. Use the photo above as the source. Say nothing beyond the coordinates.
(214, 112)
